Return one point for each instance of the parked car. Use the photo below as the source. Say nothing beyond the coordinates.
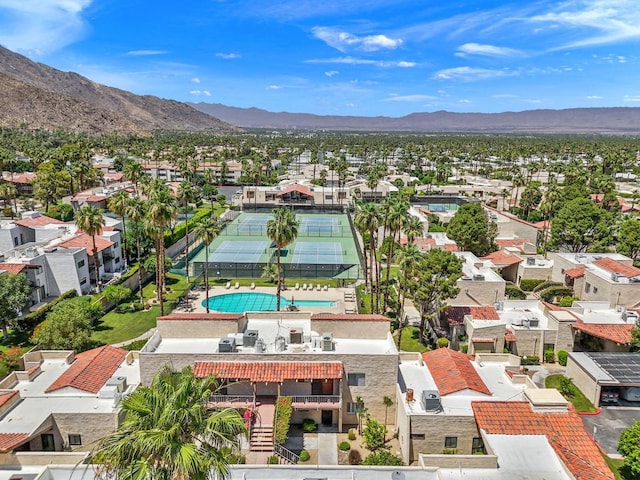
(631, 394)
(609, 396)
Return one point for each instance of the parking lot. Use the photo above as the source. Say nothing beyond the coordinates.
(607, 427)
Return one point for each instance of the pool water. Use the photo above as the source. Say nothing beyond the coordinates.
(257, 302)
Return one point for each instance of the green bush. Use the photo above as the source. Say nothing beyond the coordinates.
(530, 360)
(137, 345)
(344, 446)
(528, 284)
(374, 434)
(273, 460)
(514, 293)
(309, 425)
(464, 348)
(33, 319)
(545, 285)
(304, 456)
(180, 231)
(551, 293)
(284, 410)
(352, 434)
(549, 356)
(567, 301)
(442, 342)
(562, 358)
(382, 457)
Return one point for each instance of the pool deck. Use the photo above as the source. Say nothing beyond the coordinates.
(345, 298)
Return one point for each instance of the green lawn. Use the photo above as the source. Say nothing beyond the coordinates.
(409, 341)
(579, 401)
(615, 464)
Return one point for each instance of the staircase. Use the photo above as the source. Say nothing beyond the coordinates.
(262, 439)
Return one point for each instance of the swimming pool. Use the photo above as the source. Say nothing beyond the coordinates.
(257, 302)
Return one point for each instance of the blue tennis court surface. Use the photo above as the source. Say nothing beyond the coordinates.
(318, 253)
(239, 251)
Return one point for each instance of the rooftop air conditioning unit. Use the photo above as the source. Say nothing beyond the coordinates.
(226, 345)
(120, 383)
(431, 401)
(249, 338)
(534, 321)
(478, 277)
(531, 261)
(327, 342)
(295, 336)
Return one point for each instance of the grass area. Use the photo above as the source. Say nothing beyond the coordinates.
(410, 340)
(615, 465)
(364, 299)
(577, 398)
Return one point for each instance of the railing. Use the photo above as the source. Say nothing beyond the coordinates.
(319, 399)
(243, 399)
(286, 454)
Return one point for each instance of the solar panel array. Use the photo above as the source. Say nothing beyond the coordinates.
(239, 251)
(318, 253)
(624, 367)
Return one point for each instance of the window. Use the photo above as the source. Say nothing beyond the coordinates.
(48, 445)
(477, 446)
(417, 436)
(587, 287)
(81, 264)
(356, 379)
(328, 197)
(352, 408)
(450, 442)
(117, 260)
(595, 289)
(75, 439)
(83, 281)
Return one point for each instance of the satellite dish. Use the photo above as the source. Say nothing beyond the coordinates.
(397, 475)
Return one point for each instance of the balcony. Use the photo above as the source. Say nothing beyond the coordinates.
(318, 402)
(231, 401)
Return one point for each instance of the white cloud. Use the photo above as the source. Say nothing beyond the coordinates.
(195, 80)
(364, 61)
(593, 97)
(228, 56)
(344, 41)
(41, 26)
(631, 98)
(273, 87)
(486, 50)
(205, 93)
(464, 100)
(145, 53)
(331, 73)
(409, 98)
(504, 95)
(468, 74)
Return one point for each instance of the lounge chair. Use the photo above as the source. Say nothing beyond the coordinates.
(318, 287)
(297, 287)
(237, 285)
(228, 285)
(304, 286)
(326, 288)
(253, 286)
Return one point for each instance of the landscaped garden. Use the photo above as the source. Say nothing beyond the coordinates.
(572, 393)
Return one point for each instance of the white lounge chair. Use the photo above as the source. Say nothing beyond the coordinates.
(297, 287)
(237, 285)
(318, 287)
(304, 286)
(228, 285)
(326, 288)
(253, 286)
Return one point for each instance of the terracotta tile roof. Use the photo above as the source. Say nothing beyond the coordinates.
(542, 225)
(96, 198)
(349, 317)
(113, 176)
(575, 272)
(510, 242)
(452, 372)
(614, 266)
(6, 396)
(451, 247)
(83, 240)
(303, 189)
(9, 441)
(21, 178)
(565, 432)
(269, 371)
(509, 336)
(618, 333)
(455, 315)
(91, 369)
(12, 268)
(39, 221)
(502, 258)
(202, 316)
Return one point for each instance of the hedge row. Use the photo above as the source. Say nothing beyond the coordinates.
(545, 285)
(528, 284)
(180, 231)
(558, 291)
(33, 319)
(284, 410)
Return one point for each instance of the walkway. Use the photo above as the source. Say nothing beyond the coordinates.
(327, 449)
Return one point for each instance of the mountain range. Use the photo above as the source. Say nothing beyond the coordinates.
(36, 96)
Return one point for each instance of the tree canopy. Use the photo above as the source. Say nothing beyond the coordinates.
(473, 230)
(629, 446)
(15, 293)
(578, 225)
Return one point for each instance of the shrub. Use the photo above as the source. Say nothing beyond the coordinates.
(179, 232)
(273, 460)
(137, 345)
(515, 293)
(528, 284)
(549, 356)
(374, 433)
(567, 301)
(284, 410)
(304, 456)
(551, 293)
(354, 457)
(309, 425)
(464, 348)
(116, 293)
(562, 358)
(352, 434)
(344, 446)
(382, 457)
(530, 360)
(442, 342)
(545, 285)
(34, 318)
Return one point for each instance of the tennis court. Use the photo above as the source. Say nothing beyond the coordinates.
(239, 251)
(318, 253)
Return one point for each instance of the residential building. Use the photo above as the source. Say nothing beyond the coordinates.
(294, 194)
(600, 328)
(512, 227)
(22, 181)
(479, 284)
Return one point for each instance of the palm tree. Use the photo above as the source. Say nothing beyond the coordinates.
(412, 228)
(133, 172)
(90, 221)
(8, 191)
(387, 402)
(270, 271)
(118, 204)
(282, 230)
(206, 230)
(367, 219)
(407, 259)
(169, 433)
(136, 211)
(187, 193)
(394, 221)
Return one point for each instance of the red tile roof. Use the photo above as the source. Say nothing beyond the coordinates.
(575, 272)
(618, 267)
(618, 333)
(9, 441)
(450, 247)
(91, 369)
(455, 315)
(452, 372)
(6, 396)
(510, 242)
(269, 371)
(501, 258)
(564, 431)
(303, 189)
(202, 316)
(13, 268)
(39, 221)
(21, 178)
(509, 336)
(83, 240)
(350, 317)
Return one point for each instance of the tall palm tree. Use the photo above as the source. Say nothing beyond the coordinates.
(394, 220)
(133, 172)
(282, 230)
(187, 193)
(206, 230)
(169, 433)
(413, 228)
(90, 221)
(407, 259)
(136, 211)
(8, 192)
(367, 219)
(118, 204)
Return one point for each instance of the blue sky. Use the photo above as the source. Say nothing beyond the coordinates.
(346, 57)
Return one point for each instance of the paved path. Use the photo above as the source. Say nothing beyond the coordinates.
(327, 448)
(148, 334)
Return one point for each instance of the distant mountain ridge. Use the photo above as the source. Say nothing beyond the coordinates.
(34, 95)
(615, 120)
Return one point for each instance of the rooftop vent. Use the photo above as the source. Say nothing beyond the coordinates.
(327, 342)
(431, 401)
(226, 345)
(119, 382)
(478, 277)
(531, 261)
(295, 336)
